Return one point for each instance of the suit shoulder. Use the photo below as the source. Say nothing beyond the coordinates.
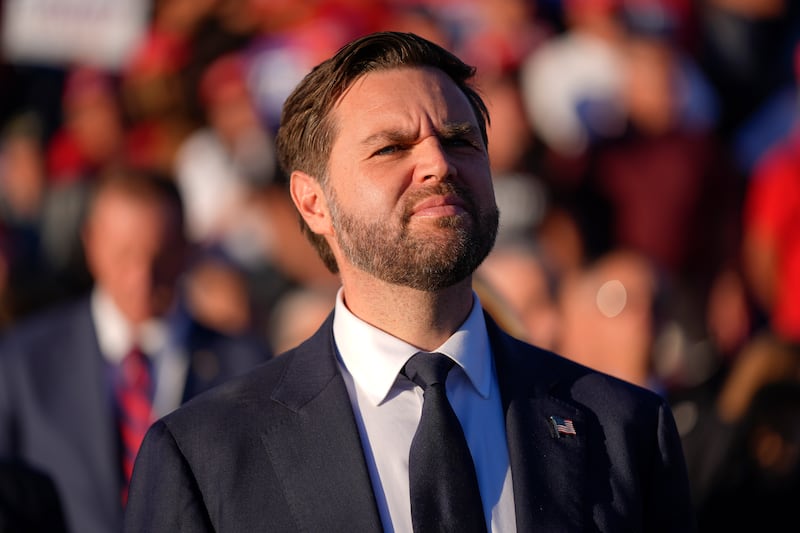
(568, 378)
(233, 398)
(585, 380)
(60, 322)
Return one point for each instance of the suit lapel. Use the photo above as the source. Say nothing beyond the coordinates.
(316, 443)
(546, 466)
(85, 408)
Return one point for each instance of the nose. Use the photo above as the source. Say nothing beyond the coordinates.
(433, 161)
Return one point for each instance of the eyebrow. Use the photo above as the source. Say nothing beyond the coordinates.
(450, 130)
(457, 129)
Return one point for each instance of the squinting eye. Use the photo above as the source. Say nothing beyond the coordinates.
(387, 150)
(458, 142)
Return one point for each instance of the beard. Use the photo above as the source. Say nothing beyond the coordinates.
(427, 260)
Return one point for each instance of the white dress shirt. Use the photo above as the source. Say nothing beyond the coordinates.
(388, 410)
(159, 340)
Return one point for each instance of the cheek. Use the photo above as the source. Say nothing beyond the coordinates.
(103, 264)
(378, 201)
(370, 197)
(479, 180)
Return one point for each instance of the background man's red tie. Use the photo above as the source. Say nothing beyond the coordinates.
(134, 396)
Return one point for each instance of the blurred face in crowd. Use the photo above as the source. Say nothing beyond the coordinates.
(135, 252)
(22, 180)
(408, 186)
(650, 89)
(93, 116)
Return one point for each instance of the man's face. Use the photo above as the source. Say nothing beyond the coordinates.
(135, 253)
(409, 189)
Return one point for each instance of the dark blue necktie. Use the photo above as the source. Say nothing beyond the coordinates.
(444, 488)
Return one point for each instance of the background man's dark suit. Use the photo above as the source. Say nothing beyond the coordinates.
(29, 502)
(57, 414)
(279, 450)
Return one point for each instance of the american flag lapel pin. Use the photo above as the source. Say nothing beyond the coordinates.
(563, 426)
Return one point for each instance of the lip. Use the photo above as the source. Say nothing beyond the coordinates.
(439, 205)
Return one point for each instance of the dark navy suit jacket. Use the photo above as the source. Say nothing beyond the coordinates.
(55, 407)
(279, 450)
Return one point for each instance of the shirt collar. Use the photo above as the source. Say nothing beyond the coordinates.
(374, 358)
(116, 336)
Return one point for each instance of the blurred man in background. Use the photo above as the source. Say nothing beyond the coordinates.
(79, 384)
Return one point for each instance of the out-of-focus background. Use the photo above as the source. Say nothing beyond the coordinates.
(646, 164)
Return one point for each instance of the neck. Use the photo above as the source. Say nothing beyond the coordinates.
(422, 318)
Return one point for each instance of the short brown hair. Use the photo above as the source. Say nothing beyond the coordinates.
(306, 133)
(143, 184)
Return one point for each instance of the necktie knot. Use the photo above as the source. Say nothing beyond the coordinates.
(426, 369)
(135, 371)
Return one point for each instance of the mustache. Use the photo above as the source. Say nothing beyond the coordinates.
(441, 189)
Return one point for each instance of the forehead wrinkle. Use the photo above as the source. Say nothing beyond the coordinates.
(448, 130)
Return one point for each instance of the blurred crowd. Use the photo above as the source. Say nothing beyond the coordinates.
(646, 164)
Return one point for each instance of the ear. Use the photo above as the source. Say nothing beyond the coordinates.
(310, 201)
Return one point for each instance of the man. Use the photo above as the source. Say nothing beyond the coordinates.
(386, 147)
(62, 407)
